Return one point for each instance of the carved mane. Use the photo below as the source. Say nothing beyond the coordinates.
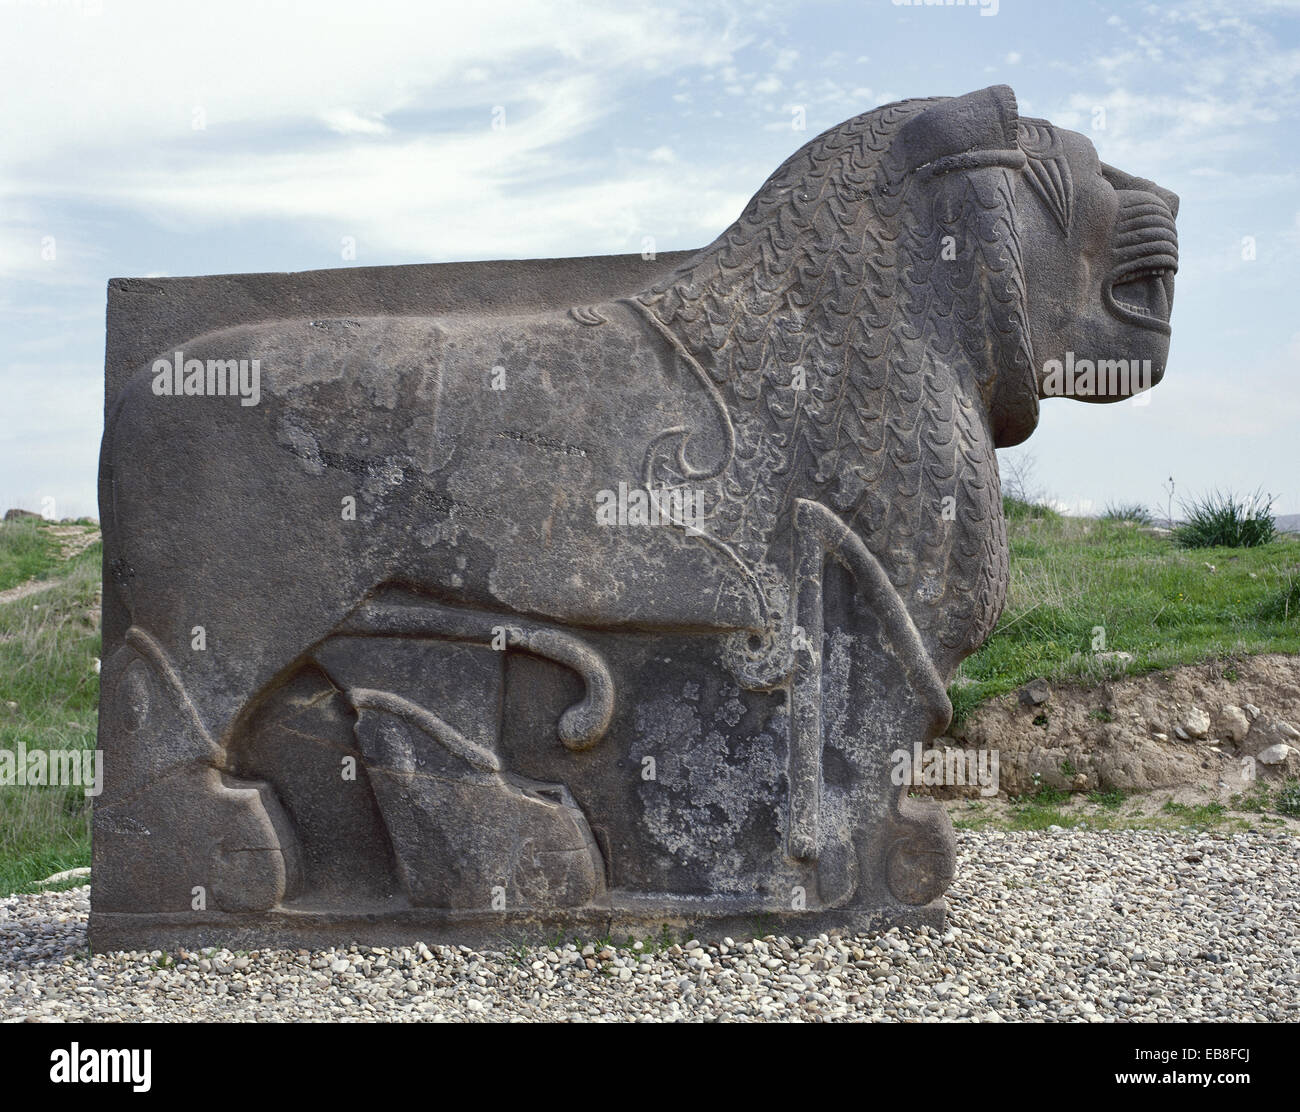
(882, 260)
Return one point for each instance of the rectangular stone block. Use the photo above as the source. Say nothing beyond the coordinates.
(484, 601)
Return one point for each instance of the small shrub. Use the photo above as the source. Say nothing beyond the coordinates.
(1111, 799)
(1223, 521)
(1256, 800)
(1288, 798)
(1017, 509)
(1128, 511)
(1043, 795)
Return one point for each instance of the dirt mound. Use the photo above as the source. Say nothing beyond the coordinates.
(1222, 724)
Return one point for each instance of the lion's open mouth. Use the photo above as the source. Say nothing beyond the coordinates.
(1140, 287)
(1148, 292)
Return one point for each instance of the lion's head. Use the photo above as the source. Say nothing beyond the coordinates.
(1101, 250)
(1096, 250)
(890, 307)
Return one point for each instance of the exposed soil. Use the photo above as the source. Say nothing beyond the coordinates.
(1125, 734)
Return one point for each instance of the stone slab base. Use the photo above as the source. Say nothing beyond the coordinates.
(711, 922)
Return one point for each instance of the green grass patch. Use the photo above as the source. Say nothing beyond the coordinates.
(1225, 521)
(60, 886)
(1100, 810)
(1035, 817)
(1082, 587)
(1195, 814)
(27, 551)
(1017, 509)
(49, 693)
(1288, 798)
(1133, 512)
(1255, 801)
(1112, 799)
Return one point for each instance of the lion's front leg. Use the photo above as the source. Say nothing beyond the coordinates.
(915, 840)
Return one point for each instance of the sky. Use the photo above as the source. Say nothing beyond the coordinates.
(181, 138)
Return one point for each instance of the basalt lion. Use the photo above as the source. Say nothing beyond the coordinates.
(828, 379)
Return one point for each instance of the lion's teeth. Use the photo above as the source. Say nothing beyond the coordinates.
(1161, 299)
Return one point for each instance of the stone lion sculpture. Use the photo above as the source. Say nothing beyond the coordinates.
(425, 551)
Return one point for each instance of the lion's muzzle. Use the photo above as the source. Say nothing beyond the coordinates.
(1140, 285)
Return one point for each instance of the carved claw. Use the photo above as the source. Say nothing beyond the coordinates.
(922, 856)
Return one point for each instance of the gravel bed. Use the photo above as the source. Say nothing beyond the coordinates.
(1078, 925)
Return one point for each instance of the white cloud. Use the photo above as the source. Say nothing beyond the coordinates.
(52, 449)
(131, 77)
(554, 68)
(345, 121)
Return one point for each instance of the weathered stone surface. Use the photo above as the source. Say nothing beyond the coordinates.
(499, 598)
(1195, 723)
(1035, 693)
(1275, 754)
(1269, 731)
(1235, 724)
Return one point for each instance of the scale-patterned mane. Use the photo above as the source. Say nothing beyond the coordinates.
(862, 328)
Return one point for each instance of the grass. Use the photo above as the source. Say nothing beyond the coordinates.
(1135, 512)
(1082, 588)
(1288, 799)
(1019, 509)
(48, 697)
(1224, 521)
(1196, 814)
(27, 551)
(1258, 808)
(1112, 799)
(1049, 807)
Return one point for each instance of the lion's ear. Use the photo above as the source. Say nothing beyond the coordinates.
(977, 129)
